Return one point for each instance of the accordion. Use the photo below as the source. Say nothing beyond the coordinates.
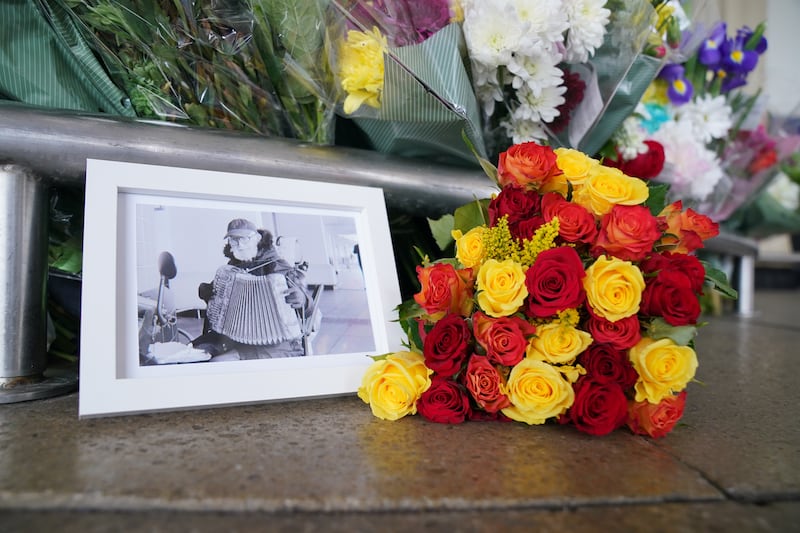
(252, 309)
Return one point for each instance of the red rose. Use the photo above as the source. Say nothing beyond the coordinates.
(599, 408)
(445, 402)
(445, 290)
(656, 420)
(627, 232)
(522, 209)
(505, 339)
(606, 364)
(689, 265)
(621, 335)
(527, 165)
(446, 345)
(645, 166)
(518, 204)
(575, 222)
(670, 295)
(554, 282)
(484, 383)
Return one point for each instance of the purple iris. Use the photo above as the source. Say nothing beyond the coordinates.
(732, 81)
(680, 91)
(735, 59)
(709, 53)
(745, 33)
(671, 71)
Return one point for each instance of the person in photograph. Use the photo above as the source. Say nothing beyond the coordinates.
(251, 254)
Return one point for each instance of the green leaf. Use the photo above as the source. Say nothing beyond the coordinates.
(409, 309)
(680, 335)
(719, 281)
(471, 215)
(657, 200)
(441, 229)
(485, 164)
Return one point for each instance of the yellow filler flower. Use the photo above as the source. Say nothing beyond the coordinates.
(361, 68)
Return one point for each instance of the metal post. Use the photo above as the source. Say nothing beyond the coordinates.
(23, 279)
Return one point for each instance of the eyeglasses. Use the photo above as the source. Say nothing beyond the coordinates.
(233, 240)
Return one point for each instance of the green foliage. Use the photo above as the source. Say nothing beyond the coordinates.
(252, 65)
(658, 328)
(657, 199)
(441, 228)
(719, 281)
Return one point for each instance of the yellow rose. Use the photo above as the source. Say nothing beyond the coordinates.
(576, 167)
(613, 288)
(469, 247)
(664, 368)
(392, 386)
(501, 286)
(361, 68)
(558, 343)
(537, 391)
(607, 187)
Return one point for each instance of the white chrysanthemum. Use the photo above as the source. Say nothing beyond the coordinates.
(521, 131)
(546, 18)
(587, 28)
(630, 137)
(692, 170)
(541, 108)
(710, 117)
(492, 32)
(537, 70)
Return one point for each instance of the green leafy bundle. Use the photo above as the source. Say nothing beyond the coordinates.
(252, 65)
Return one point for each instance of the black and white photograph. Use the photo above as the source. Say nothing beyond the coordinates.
(206, 288)
(221, 285)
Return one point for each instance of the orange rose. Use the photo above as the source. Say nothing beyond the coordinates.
(656, 419)
(527, 165)
(686, 230)
(627, 232)
(444, 290)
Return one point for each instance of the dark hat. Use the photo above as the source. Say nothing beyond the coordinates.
(240, 227)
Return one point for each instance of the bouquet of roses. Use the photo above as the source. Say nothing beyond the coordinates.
(401, 70)
(572, 296)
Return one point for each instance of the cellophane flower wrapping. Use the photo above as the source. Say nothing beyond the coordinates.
(566, 72)
(252, 65)
(572, 296)
(403, 77)
(710, 132)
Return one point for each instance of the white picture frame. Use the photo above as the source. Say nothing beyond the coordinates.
(133, 210)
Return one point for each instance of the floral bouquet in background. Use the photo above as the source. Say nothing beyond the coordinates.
(252, 65)
(695, 118)
(567, 72)
(401, 70)
(572, 297)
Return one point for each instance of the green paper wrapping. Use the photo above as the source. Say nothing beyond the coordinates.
(616, 78)
(47, 62)
(427, 101)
